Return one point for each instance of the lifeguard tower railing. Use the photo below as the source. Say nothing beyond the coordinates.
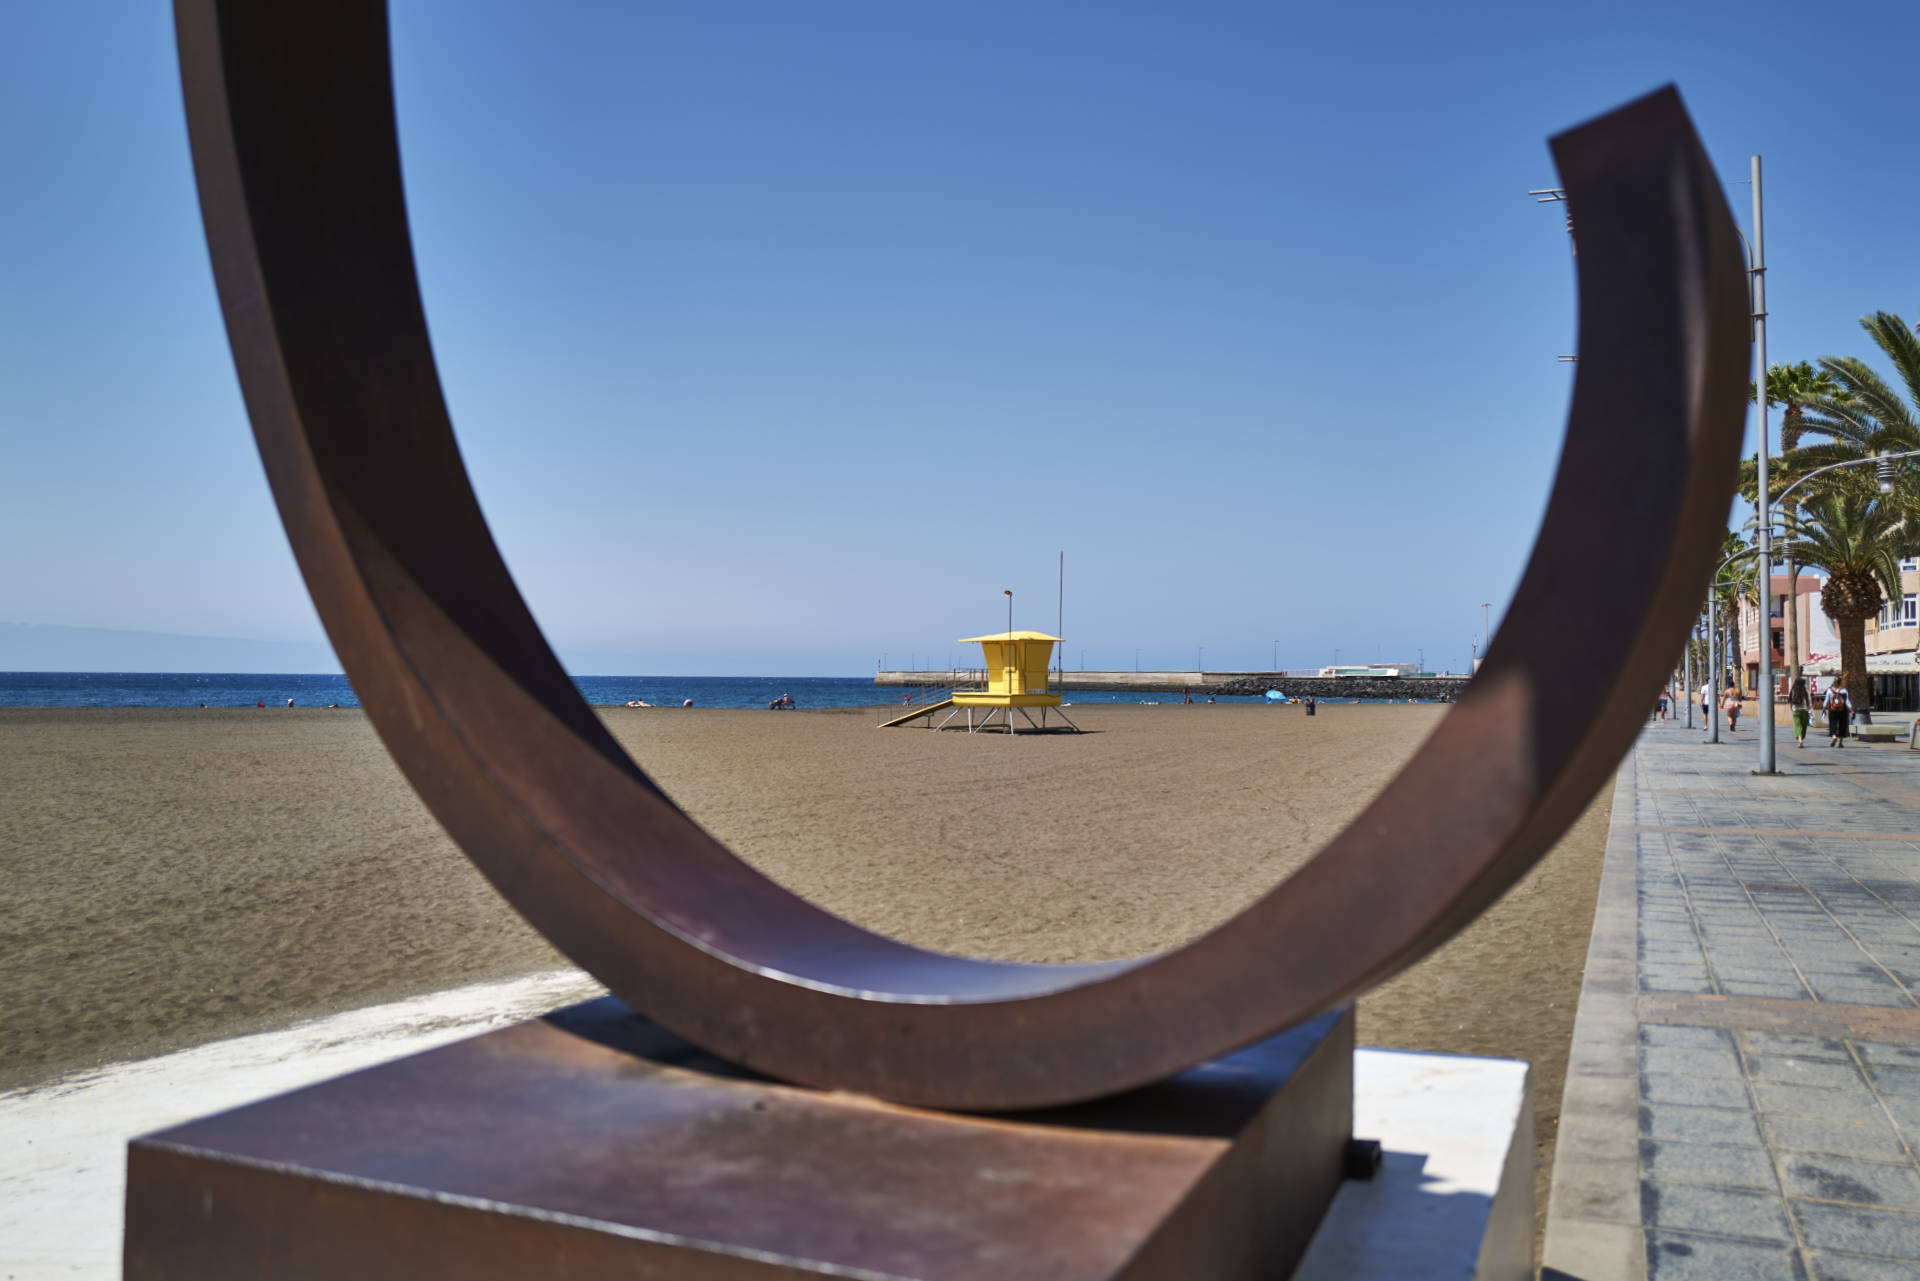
(940, 686)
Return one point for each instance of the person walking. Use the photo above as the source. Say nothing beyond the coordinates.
(1802, 704)
(1731, 706)
(1839, 716)
(1666, 696)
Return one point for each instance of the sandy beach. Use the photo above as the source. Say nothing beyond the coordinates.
(179, 875)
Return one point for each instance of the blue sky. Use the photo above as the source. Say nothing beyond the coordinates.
(781, 337)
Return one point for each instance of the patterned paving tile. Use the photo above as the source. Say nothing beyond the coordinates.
(1777, 919)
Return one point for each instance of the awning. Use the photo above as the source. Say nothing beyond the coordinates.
(1905, 664)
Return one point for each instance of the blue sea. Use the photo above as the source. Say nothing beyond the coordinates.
(192, 689)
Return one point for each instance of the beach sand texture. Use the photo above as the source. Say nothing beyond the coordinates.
(176, 875)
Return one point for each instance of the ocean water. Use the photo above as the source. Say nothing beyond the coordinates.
(192, 689)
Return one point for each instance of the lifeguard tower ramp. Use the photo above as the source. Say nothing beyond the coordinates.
(1016, 665)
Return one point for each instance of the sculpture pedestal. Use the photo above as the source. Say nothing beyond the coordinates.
(594, 1144)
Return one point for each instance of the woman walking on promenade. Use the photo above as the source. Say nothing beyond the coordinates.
(1731, 706)
(1802, 705)
(1839, 712)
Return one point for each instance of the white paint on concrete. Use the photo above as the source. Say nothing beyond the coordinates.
(63, 1145)
(1454, 1196)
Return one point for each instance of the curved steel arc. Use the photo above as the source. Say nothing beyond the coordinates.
(291, 119)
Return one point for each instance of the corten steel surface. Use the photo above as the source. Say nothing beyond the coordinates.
(291, 118)
(594, 1144)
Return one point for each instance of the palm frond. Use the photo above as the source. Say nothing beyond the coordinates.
(1890, 333)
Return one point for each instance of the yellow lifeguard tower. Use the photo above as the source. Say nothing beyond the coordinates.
(1016, 673)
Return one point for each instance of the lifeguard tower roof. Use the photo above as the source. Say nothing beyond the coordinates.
(1006, 636)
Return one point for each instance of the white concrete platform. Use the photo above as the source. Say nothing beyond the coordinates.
(63, 1146)
(1454, 1198)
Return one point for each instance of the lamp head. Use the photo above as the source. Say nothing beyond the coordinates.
(1884, 469)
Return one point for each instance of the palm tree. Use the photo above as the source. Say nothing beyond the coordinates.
(1793, 386)
(1857, 535)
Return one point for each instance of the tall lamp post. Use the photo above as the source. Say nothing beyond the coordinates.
(1686, 663)
(1757, 273)
(1713, 664)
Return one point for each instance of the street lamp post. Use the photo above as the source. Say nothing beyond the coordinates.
(1713, 668)
(1757, 272)
(1686, 665)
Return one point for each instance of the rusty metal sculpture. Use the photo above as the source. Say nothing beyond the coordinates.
(291, 118)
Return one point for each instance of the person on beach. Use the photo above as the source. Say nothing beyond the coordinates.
(1802, 704)
(1732, 708)
(1839, 714)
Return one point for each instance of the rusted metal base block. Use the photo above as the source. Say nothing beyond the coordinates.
(592, 1143)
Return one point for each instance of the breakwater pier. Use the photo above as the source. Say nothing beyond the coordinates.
(1198, 682)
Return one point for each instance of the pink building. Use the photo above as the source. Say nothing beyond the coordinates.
(1813, 634)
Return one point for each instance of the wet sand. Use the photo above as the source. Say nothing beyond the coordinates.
(178, 875)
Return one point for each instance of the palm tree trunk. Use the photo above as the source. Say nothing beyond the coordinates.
(1733, 642)
(1853, 660)
(1792, 637)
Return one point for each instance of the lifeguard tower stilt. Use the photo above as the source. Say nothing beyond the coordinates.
(1016, 665)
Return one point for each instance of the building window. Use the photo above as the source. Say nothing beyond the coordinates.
(1908, 604)
(1911, 562)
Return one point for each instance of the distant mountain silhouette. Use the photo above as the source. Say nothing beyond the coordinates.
(32, 647)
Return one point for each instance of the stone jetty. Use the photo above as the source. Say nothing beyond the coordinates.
(1201, 683)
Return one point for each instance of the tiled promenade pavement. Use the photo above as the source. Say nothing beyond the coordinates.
(1743, 1095)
